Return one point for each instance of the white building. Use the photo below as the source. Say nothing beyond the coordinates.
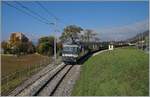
(111, 47)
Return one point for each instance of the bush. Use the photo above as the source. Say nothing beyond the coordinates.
(45, 49)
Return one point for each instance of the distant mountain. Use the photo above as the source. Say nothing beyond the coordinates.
(140, 36)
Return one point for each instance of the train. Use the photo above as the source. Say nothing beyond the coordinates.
(72, 53)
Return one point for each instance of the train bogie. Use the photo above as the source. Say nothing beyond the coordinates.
(69, 59)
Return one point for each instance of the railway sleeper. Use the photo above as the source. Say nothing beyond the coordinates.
(35, 87)
(50, 88)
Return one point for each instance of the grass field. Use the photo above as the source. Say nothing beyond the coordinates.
(10, 64)
(123, 71)
(19, 68)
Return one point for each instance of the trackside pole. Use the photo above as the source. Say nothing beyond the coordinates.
(55, 50)
(55, 57)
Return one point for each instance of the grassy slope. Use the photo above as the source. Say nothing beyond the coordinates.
(119, 72)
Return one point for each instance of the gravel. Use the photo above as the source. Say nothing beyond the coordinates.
(33, 88)
(66, 86)
(50, 87)
(32, 79)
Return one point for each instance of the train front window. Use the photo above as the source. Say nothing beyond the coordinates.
(70, 50)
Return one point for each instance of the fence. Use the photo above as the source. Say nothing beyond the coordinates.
(10, 81)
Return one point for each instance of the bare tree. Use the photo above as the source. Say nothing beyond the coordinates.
(90, 37)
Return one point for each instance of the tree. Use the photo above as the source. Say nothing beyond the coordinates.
(44, 39)
(89, 38)
(59, 48)
(70, 32)
(45, 49)
(5, 46)
(19, 44)
(18, 37)
(46, 46)
(89, 35)
(31, 48)
(16, 48)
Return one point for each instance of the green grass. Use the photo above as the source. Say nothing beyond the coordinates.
(25, 67)
(123, 71)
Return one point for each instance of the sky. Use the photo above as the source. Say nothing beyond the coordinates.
(112, 20)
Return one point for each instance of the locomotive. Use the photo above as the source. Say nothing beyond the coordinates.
(71, 53)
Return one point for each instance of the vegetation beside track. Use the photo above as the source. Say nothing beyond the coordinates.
(16, 69)
(123, 71)
(12, 63)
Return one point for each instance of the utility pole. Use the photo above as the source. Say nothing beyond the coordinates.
(55, 41)
(55, 56)
(138, 41)
(142, 42)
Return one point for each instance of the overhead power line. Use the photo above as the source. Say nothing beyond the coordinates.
(27, 13)
(46, 10)
(49, 12)
(33, 12)
(55, 28)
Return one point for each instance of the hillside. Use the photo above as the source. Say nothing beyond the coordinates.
(122, 72)
(139, 36)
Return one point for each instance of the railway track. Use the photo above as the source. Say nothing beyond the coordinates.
(31, 80)
(56, 81)
(48, 83)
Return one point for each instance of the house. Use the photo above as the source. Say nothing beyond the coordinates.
(110, 46)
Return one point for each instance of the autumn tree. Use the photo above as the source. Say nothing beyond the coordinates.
(19, 44)
(5, 47)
